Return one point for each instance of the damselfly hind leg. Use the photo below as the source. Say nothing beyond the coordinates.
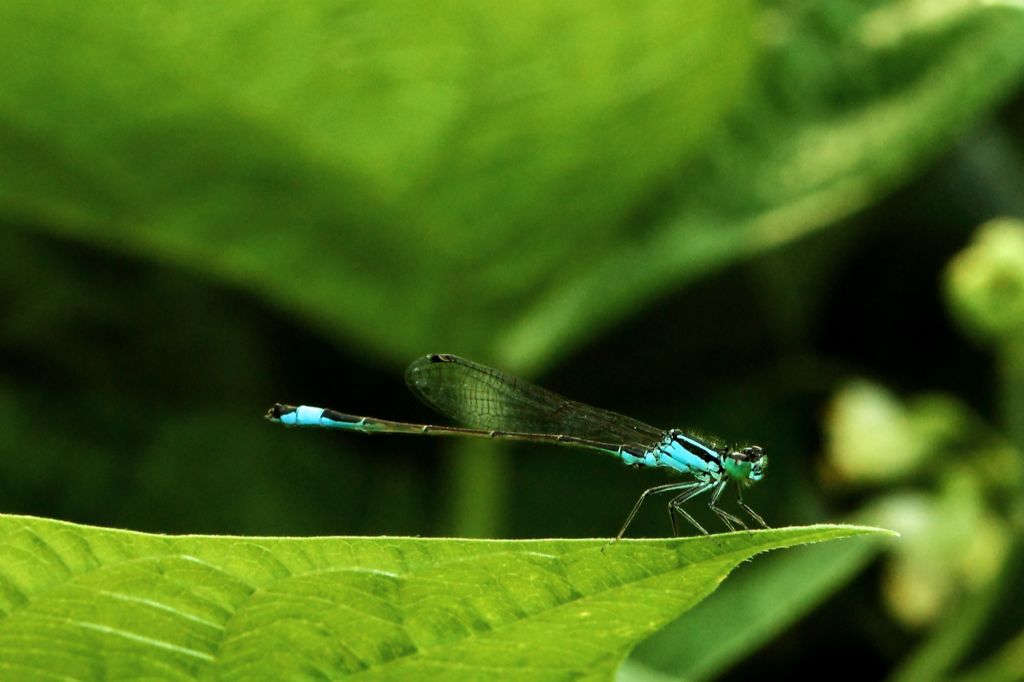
(668, 487)
(676, 505)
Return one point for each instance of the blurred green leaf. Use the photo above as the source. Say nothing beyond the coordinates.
(82, 601)
(747, 612)
(360, 165)
(496, 167)
(848, 99)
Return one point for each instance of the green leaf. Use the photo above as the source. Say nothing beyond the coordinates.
(747, 612)
(89, 602)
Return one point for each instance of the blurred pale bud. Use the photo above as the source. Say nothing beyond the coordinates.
(918, 577)
(873, 436)
(985, 281)
(951, 544)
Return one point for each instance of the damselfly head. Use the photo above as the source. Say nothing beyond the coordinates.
(275, 413)
(747, 464)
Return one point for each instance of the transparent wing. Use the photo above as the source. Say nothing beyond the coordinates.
(484, 398)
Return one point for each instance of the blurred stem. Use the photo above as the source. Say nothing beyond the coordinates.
(477, 482)
(1006, 665)
(1012, 361)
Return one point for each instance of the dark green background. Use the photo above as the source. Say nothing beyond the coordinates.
(705, 215)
